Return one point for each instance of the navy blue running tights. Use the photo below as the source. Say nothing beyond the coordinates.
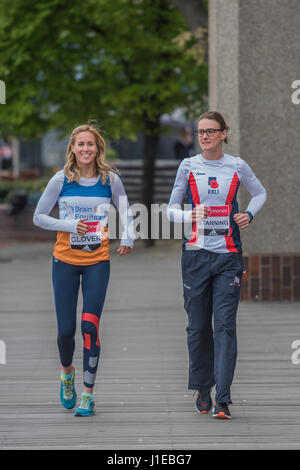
(66, 282)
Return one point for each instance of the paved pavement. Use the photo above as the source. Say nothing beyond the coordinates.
(141, 392)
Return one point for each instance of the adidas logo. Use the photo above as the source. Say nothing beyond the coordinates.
(187, 287)
(213, 232)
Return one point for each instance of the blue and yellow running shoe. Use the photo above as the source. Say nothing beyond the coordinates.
(87, 405)
(68, 394)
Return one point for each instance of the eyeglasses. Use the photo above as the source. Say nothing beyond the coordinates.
(201, 132)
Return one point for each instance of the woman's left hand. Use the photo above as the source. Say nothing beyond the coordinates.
(242, 219)
(124, 250)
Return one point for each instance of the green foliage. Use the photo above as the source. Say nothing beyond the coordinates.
(119, 62)
(111, 154)
(205, 4)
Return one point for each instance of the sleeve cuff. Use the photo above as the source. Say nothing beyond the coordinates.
(250, 215)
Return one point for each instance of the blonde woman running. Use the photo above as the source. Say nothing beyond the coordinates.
(84, 189)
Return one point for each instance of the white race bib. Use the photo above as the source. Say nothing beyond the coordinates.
(90, 241)
(217, 222)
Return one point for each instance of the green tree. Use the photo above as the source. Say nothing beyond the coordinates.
(123, 63)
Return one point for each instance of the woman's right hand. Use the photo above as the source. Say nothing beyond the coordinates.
(199, 213)
(82, 228)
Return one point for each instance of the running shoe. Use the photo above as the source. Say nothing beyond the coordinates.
(87, 405)
(203, 402)
(68, 394)
(221, 411)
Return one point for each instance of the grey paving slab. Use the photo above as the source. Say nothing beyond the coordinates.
(141, 391)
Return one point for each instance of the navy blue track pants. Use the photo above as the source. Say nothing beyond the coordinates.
(66, 282)
(211, 285)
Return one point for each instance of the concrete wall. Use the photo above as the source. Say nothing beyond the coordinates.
(254, 59)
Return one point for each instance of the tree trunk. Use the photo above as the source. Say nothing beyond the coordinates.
(151, 140)
(16, 157)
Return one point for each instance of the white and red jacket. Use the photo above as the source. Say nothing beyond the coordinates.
(215, 184)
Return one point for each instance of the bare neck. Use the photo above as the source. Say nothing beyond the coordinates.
(215, 154)
(89, 172)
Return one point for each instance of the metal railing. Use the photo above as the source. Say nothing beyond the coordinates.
(131, 172)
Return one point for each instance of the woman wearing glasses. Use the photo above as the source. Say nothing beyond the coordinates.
(212, 263)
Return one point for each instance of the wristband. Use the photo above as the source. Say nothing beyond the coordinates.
(250, 215)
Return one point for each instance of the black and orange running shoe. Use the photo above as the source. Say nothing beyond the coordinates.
(203, 402)
(221, 411)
